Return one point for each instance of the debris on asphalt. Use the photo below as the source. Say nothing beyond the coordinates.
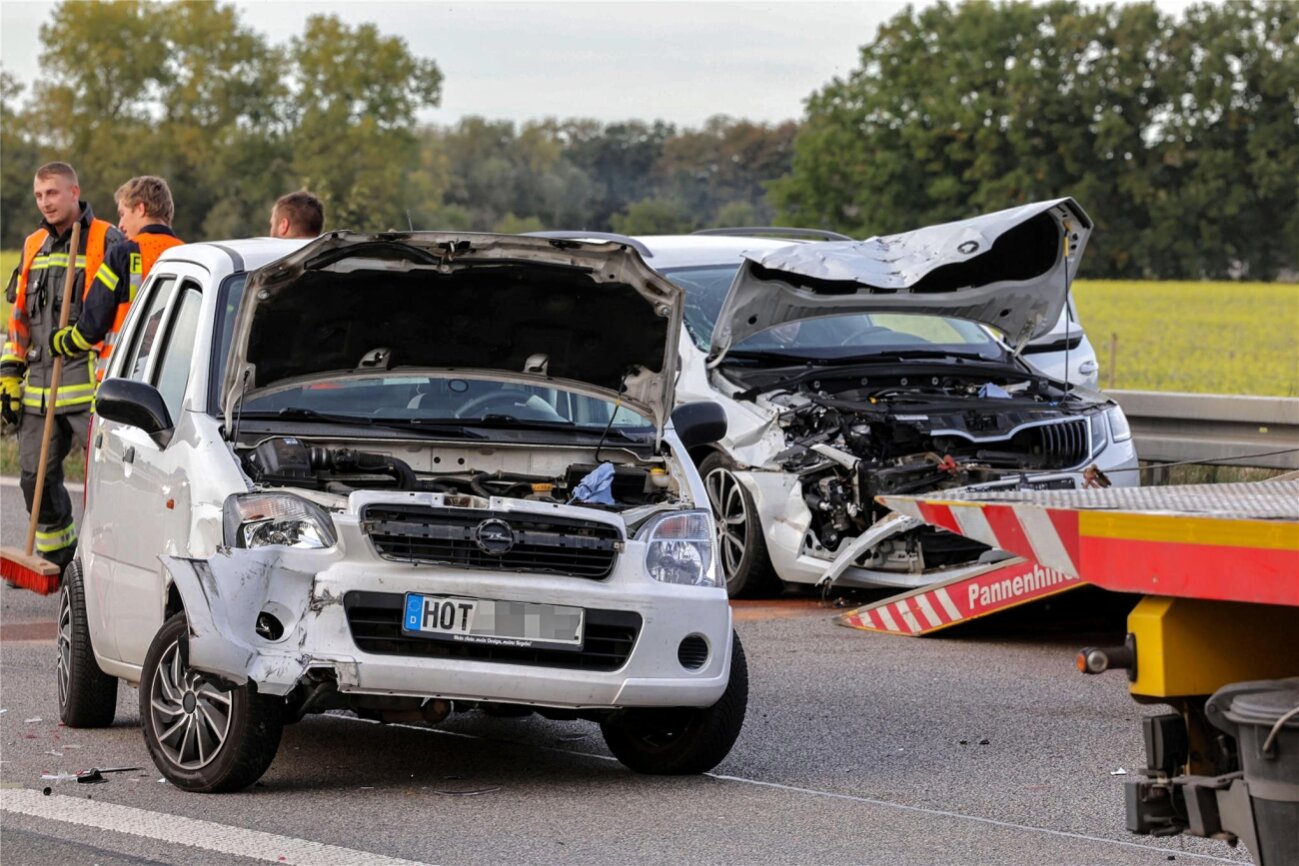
(1119, 772)
(46, 790)
(34, 720)
(983, 742)
(54, 753)
(571, 737)
(59, 777)
(467, 792)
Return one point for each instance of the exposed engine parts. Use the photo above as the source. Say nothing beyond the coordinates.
(286, 461)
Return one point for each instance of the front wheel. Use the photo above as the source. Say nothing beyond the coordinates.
(202, 737)
(742, 548)
(681, 741)
(87, 695)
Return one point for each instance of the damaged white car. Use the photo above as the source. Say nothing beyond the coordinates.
(850, 369)
(404, 475)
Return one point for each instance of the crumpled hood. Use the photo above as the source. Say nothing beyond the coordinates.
(589, 317)
(1005, 269)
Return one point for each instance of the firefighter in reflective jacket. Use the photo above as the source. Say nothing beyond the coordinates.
(27, 362)
(145, 210)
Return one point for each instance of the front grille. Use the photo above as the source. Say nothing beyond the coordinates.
(375, 622)
(541, 543)
(1066, 442)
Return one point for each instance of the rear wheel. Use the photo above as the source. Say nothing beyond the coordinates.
(87, 695)
(203, 737)
(742, 549)
(682, 740)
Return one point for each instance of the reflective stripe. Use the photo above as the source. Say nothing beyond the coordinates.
(57, 260)
(69, 395)
(108, 277)
(47, 542)
(79, 341)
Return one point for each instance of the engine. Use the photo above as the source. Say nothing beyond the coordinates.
(287, 461)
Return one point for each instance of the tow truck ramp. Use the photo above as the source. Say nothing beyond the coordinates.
(1216, 636)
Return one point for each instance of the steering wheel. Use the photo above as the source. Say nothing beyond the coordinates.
(853, 338)
(473, 408)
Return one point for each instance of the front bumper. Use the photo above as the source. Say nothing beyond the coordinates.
(307, 592)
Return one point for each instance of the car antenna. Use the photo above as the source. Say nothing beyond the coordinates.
(410, 222)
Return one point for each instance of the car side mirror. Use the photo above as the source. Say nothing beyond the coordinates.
(136, 404)
(701, 423)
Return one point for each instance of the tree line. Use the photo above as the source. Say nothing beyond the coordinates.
(1178, 134)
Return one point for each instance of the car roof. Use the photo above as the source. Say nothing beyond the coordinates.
(683, 251)
(233, 256)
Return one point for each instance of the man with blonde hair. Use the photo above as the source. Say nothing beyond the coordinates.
(27, 365)
(144, 211)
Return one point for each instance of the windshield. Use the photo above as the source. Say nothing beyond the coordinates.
(828, 337)
(399, 396)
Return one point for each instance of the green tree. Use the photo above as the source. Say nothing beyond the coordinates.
(352, 112)
(654, 216)
(21, 159)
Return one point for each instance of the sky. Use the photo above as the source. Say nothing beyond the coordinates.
(676, 61)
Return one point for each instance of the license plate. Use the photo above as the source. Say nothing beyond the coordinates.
(525, 625)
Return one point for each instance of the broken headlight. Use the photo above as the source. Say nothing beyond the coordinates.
(679, 549)
(261, 519)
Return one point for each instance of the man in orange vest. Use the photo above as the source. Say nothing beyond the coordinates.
(145, 210)
(27, 362)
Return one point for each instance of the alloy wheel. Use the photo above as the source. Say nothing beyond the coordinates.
(64, 644)
(191, 717)
(731, 515)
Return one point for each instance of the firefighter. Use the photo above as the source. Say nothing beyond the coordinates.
(145, 211)
(297, 215)
(27, 362)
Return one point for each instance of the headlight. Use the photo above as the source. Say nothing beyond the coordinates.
(1097, 422)
(1120, 430)
(679, 549)
(261, 519)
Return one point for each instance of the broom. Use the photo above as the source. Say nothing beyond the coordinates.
(21, 567)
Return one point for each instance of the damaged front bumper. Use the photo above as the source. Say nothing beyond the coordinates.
(304, 593)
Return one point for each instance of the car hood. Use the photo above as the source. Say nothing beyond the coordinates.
(588, 317)
(1007, 269)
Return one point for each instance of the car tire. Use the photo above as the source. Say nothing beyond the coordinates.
(203, 737)
(742, 548)
(87, 695)
(680, 741)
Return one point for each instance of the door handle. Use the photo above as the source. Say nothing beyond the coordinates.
(129, 455)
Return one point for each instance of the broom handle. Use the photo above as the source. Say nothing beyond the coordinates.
(55, 375)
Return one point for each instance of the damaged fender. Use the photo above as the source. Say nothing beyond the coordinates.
(225, 594)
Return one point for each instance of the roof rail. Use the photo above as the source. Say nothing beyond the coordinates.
(567, 235)
(749, 231)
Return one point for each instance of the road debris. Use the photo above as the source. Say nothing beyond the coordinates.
(467, 792)
(1119, 772)
(34, 720)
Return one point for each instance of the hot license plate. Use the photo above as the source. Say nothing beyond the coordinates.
(520, 624)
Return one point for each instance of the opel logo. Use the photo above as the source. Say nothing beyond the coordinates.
(494, 537)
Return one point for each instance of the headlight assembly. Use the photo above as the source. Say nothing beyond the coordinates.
(679, 549)
(262, 519)
(1120, 430)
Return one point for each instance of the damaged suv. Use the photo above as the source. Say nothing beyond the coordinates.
(405, 475)
(850, 369)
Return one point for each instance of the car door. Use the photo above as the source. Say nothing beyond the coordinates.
(152, 497)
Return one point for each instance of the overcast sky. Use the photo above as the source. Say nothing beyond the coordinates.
(680, 62)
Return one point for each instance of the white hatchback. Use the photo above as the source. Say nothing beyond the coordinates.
(404, 475)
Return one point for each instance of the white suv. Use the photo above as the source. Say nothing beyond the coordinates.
(405, 475)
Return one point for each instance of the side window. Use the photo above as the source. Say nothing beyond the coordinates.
(173, 368)
(145, 336)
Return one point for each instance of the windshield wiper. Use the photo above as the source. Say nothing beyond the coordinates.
(509, 422)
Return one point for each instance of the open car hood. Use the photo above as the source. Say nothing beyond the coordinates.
(1005, 269)
(588, 317)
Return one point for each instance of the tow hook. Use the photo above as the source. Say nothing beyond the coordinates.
(1099, 659)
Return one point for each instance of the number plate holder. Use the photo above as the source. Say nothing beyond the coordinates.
(491, 622)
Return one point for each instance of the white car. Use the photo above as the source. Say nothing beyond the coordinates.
(405, 475)
(849, 369)
(1065, 352)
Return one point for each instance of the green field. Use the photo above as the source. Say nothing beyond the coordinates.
(1214, 338)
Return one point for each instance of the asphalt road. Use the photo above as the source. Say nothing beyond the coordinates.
(981, 747)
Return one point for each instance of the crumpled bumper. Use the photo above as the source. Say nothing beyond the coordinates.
(305, 591)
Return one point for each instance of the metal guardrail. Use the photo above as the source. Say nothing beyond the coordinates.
(1233, 430)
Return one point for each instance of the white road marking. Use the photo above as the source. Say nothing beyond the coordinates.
(831, 795)
(205, 835)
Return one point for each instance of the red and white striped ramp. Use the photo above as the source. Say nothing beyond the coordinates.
(947, 603)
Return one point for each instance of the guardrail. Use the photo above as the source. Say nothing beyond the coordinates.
(1229, 429)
